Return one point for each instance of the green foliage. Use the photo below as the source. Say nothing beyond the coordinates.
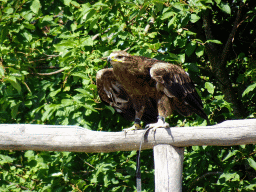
(50, 52)
(219, 169)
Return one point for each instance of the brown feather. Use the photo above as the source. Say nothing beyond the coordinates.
(143, 88)
(112, 93)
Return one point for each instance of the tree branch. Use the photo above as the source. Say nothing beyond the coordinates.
(218, 59)
(208, 30)
(152, 20)
(231, 35)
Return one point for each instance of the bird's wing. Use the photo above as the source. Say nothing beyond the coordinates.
(113, 93)
(176, 84)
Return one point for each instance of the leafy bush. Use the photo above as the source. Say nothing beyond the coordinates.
(51, 51)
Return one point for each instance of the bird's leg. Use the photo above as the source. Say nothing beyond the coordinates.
(159, 124)
(163, 107)
(138, 115)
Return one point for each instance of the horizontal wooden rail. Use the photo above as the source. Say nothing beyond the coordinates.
(74, 138)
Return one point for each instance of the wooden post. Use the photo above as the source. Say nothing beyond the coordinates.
(168, 168)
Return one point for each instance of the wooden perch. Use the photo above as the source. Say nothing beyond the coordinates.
(78, 139)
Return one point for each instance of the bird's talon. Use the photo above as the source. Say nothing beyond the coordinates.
(133, 128)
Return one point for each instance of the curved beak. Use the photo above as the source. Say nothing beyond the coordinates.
(109, 59)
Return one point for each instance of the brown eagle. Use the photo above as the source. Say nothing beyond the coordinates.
(148, 90)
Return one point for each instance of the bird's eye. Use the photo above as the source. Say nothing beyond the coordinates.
(119, 57)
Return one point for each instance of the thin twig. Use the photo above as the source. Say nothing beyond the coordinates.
(98, 34)
(52, 73)
(203, 176)
(27, 87)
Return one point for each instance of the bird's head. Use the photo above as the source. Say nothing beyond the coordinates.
(118, 57)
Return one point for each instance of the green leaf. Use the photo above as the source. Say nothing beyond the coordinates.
(190, 48)
(86, 41)
(88, 15)
(35, 6)
(224, 177)
(209, 87)
(230, 154)
(100, 5)
(8, 10)
(48, 112)
(3, 33)
(80, 74)
(5, 159)
(192, 67)
(199, 51)
(29, 26)
(225, 8)
(67, 2)
(14, 83)
(1, 70)
(47, 18)
(181, 58)
(167, 15)
(214, 41)
(27, 15)
(152, 35)
(252, 163)
(28, 36)
(84, 92)
(29, 154)
(66, 102)
(251, 187)
(111, 109)
(75, 4)
(172, 21)
(73, 26)
(14, 110)
(28, 103)
(54, 93)
(249, 89)
(194, 18)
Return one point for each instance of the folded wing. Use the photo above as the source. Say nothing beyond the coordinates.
(178, 86)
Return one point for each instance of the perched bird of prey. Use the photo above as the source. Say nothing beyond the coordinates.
(148, 90)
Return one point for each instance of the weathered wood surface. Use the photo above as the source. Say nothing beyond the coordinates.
(73, 138)
(168, 162)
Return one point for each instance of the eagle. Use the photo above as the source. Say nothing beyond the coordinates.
(148, 90)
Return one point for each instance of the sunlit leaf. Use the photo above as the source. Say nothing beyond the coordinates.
(209, 86)
(249, 89)
(35, 6)
(252, 163)
(1, 70)
(194, 18)
(199, 51)
(5, 159)
(225, 7)
(213, 41)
